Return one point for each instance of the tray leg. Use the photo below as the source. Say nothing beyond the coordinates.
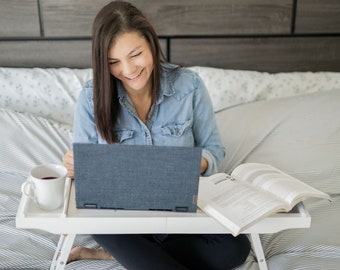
(63, 250)
(261, 259)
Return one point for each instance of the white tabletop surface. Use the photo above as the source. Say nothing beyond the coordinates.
(69, 219)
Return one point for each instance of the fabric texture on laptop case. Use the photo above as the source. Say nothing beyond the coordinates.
(136, 177)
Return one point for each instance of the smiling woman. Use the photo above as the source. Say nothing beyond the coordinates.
(135, 97)
(115, 32)
(131, 62)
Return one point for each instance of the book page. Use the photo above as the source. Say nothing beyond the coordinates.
(285, 187)
(234, 203)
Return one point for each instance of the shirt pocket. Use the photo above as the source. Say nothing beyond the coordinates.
(125, 136)
(178, 134)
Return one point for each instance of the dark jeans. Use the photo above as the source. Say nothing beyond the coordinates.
(176, 251)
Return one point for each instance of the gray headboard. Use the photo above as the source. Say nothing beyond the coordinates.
(263, 35)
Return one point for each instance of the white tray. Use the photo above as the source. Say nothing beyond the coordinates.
(68, 219)
(28, 208)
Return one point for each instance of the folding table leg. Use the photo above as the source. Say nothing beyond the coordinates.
(62, 252)
(255, 238)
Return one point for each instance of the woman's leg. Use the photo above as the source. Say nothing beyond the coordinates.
(212, 251)
(137, 252)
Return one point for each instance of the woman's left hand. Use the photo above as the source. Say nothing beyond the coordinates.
(204, 165)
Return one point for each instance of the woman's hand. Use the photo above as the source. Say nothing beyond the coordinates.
(69, 163)
(204, 165)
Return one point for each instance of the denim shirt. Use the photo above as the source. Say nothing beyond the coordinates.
(183, 116)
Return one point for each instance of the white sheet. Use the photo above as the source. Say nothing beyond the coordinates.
(27, 140)
(252, 132)
(299, 135)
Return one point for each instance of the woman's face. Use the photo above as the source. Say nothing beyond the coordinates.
(131, 62)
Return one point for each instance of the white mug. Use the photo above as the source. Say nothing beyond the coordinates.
(46, 185)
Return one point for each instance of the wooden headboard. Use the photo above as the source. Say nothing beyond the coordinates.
(263, 35)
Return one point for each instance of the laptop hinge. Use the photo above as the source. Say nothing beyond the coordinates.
(181, 209)
(90, 205)
(194, 199)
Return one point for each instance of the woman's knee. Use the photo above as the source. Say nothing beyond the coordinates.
(208, 251)
(241, 250)
(229, 251)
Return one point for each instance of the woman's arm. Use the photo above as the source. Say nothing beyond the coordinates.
(84, 128)
(205, 130)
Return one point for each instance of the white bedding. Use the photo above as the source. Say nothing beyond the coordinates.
(51, 93)
(233, 87)
(299, 134)
(28, 140)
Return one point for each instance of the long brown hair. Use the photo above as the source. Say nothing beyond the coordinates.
(114, 19)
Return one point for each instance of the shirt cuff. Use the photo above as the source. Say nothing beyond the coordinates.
(212, 166)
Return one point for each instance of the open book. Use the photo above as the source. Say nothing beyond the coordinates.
(252, 192)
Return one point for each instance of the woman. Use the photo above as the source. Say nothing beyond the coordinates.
(137, 98)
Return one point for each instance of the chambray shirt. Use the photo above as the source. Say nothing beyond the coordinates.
(183, 116)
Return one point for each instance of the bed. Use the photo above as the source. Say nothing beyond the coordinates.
(284, 112)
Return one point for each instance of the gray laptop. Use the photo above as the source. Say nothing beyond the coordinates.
(136, 177)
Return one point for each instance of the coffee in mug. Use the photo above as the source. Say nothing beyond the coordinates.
(46, 185)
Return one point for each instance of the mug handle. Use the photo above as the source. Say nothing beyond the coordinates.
(26, 188)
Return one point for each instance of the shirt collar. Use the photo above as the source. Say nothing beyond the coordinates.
(168, 77)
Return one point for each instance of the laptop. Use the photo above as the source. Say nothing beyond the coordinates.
(136, 177)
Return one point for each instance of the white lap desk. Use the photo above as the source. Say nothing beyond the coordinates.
(70, 221)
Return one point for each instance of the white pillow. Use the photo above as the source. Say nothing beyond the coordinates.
(27, 140)
(232, 87)
(50, 93)
(299, 135)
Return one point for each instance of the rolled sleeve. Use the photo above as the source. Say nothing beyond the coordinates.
(84, 126)
(205, 128)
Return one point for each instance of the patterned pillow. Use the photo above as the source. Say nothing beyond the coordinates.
(50, 93)
(232, 87)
